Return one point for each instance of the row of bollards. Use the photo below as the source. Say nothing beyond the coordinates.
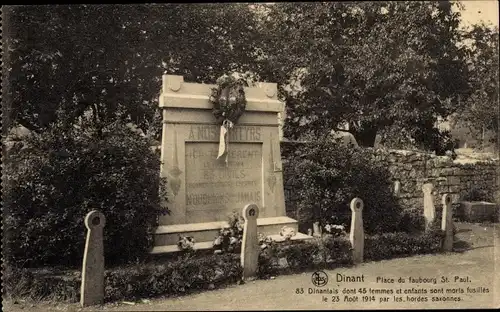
(92, 288)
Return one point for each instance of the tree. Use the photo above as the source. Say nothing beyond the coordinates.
(373, 65)
(110, 58)
(480, 112)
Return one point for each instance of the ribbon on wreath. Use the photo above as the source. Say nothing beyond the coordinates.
(223, 140)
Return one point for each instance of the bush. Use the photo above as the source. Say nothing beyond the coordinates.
(130, 282)
(328, 252)
(178, 277)
(58, 176)
(481, 191)
(51, 285)
(197, 271)
(393, 245)
(327, 176)
(412, 220)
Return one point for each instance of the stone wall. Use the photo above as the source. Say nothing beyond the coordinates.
(455, 177)
(412, 169)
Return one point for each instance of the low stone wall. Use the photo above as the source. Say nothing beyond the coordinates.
(455, 177)
(412, 169)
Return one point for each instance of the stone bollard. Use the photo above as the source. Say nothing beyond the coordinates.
(92, 291)
(357, 235)
(250, 245)
(429, 209)
(316, 229)
(447, 224)
(397, 188)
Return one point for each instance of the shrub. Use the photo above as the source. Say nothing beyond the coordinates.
(327, 176)
(130, 282)
(325, 253)
(480, 192)
(178, 277)
(58, 176)
(392, 245)
(412, 220)
(339, 250)
(53, 285)
(197, 271)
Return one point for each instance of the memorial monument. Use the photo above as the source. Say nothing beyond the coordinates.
(204, 188)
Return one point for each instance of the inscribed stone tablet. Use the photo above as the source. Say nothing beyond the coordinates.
(214, 190)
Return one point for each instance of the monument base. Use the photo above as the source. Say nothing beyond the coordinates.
(167, 236)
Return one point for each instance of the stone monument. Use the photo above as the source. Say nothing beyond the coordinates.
(203, 190)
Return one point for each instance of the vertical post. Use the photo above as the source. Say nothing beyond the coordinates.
(357, 235)
(250, 244)
(429, 209)
(397, 188)
(317, 229)
(447, 224)
(92, 289)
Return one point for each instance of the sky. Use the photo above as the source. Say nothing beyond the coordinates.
(477, 10)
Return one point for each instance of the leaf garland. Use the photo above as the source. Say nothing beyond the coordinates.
(228, 99)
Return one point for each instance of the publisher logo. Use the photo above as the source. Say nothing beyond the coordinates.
(319, 278)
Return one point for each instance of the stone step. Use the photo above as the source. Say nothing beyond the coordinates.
(166, 249)
(173, 248)
(167, 235)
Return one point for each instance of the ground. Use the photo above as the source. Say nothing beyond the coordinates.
(480, 254)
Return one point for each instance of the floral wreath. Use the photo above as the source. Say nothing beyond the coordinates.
(228, 100)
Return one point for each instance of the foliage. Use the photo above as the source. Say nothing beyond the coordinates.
(480, 192)
(328, 252)
(131, 282)
(191, 272)
(59, 57)
(53, 285)
(327, 176)
(230, 238)
(373, 65)
(483, 56)
(186, 243)
(335, 230)
(412, 220)
(391, 245)
(53, 179)
(228, 99)
(178, 277)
